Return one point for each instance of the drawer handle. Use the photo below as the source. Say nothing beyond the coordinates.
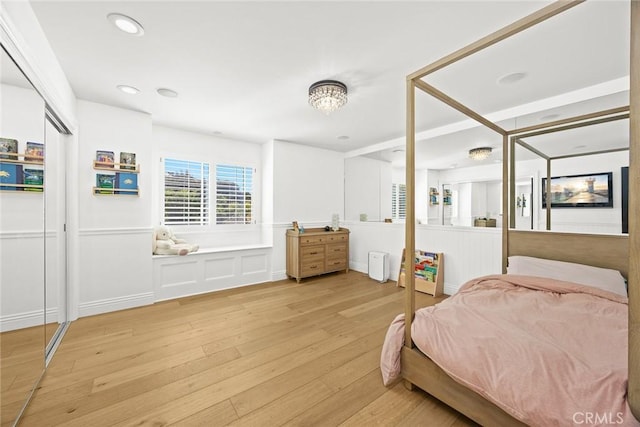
(313, 253)
(313, 267)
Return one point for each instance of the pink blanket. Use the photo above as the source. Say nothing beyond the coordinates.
(550, 353)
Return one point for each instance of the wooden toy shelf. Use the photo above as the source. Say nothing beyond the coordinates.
(429, 272)
(115, 167)
(116, 170)
(19, 160)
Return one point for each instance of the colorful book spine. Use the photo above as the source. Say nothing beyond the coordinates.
(126, 181)
(11, 174)
(33, 178)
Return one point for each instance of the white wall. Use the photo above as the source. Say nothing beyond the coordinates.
(114, 231)
(308, 187)
(367, 189)
(468, 252)
(308, 183)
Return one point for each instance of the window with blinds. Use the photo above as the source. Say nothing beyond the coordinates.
(186, 192)
(234, 189)
(398, 201)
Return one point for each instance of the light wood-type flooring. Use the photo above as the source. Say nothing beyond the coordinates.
(273, 354)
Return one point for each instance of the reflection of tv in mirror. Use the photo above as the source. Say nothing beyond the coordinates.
(580, 191)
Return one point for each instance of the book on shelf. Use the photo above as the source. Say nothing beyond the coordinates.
(8, 148)
(105, 181)
(11, 174)
(33, 177)
(126, 181)
(34, 152)
(105, 159)
(127, 161)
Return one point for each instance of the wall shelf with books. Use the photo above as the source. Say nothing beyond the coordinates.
(122, 178)
(21, 172)
(429, 272)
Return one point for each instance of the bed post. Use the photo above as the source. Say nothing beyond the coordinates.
(410, 224)
(634, 218)
(507, 163)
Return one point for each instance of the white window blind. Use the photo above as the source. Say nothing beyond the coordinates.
(234, 189)
(398, 201)
(186, 192)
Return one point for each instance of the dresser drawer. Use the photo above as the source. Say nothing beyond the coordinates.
(312, 240)
(337, 237)
(311, 252)
(337, 251)
(312, 267)
(336, 264)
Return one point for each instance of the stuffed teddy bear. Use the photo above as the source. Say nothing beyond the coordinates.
(166, 243)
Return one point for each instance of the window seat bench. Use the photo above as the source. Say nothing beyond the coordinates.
(210, 269)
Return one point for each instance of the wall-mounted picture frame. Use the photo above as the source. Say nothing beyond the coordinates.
(593, 190)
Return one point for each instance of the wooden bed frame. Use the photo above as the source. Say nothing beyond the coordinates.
(618, 252)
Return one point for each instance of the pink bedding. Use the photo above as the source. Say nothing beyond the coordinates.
(550, 353)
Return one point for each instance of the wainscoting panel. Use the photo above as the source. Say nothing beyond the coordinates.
(219, 268)
(209, 270)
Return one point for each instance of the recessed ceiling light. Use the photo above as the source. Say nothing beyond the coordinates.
(398, 150)
(167, 92)
(128, 89)
(343, 137)
(511, 78)
(126, 24)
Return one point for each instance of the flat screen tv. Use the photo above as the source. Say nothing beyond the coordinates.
(593, 190)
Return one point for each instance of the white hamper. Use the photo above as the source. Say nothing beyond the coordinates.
(379, 266)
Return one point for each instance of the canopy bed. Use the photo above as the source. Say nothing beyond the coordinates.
(611, 252)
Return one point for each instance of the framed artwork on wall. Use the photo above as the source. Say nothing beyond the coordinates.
(580, 191)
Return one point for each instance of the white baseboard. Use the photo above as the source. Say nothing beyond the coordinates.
(450, 289)
(114, 304)
(279, 275)
(361, 267)
(21, 320)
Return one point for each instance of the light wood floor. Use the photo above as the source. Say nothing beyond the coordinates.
(274, 354)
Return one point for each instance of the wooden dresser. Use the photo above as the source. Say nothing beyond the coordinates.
(317, 252)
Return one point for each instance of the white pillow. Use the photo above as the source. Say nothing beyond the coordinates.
(602, 278)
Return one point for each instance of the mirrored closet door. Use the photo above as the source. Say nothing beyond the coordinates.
(32, 239)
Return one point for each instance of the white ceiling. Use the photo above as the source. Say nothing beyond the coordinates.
(242, 69)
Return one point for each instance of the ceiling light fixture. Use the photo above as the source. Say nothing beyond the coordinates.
(167, 92)
(128, 89)
(327, 95)
(479, 153)
(126, 24)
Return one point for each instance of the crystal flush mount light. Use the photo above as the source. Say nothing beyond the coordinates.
(479, 153)
(327, 95)
(126, 24)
